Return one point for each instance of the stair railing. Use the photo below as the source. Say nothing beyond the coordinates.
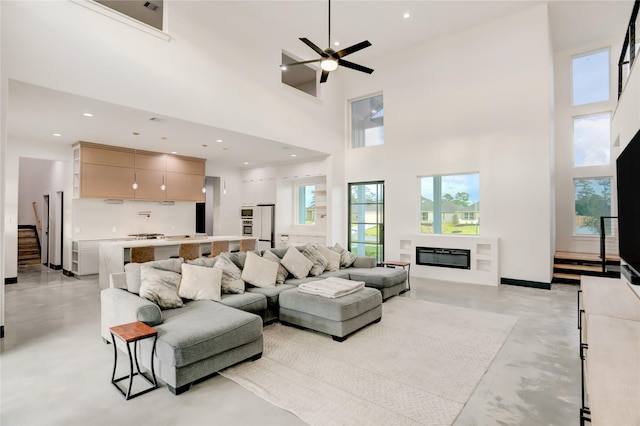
(603, 238)
(35, 212)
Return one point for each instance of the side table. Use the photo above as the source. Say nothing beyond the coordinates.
(132, 333)
(397, 263)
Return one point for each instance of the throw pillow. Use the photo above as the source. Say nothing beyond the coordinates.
(203, 261)
(259, 272)
(282, 271)
(319, 261)
(296, 263)
(333, 258)
(231, 275)
(200, 283)
(160, 287)
(133, 271)
(346, 257)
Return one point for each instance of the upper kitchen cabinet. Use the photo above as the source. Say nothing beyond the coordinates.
(102, 171)
(185, 178)
(150, 170)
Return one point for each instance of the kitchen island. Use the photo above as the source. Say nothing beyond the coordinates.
(114, 254)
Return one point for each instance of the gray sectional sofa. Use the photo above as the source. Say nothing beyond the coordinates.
(197, 338)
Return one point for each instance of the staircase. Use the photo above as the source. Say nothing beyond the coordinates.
(28, 246)
(567, 267)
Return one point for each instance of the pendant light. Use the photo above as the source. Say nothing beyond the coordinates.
(163, 186)
(135, 178)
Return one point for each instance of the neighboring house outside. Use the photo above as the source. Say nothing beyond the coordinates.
(451, 213)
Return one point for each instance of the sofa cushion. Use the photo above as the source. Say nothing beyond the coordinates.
(259, 272)
(231, 275)
(203, 329)
(333, 258)
(249, 302)
(338, 309)
(133, 271)
(200, 283)
(282, 274)
(271, 293)
(296, 263)
(160, 287)
(318, 260)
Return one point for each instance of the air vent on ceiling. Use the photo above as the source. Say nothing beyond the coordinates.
(158, 120)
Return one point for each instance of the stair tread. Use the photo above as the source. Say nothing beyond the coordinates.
(594, 257)
(566, 276)
(577, 267)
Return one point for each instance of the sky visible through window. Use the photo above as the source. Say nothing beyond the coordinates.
(454, 184)
(591, 78)
(591, 140)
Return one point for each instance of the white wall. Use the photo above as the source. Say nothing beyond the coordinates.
(475, 101)
(566, 172)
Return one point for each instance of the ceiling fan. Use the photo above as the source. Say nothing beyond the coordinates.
(330, 59)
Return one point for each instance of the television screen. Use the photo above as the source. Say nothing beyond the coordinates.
(628, 172)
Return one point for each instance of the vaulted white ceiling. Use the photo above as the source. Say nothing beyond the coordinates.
(33, 110)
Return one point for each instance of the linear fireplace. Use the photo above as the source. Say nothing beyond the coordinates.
(443, 257)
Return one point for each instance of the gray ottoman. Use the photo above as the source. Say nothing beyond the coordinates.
(389, 281)
(338, 317)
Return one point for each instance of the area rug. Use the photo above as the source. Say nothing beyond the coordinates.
(419, 365)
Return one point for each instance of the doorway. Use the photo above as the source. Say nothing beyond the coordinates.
(366, 219)
(45, 230)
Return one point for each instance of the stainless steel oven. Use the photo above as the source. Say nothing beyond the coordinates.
(246, 214)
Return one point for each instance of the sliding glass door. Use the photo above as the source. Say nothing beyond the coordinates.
(366, 219)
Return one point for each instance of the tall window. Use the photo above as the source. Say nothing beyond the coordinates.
(306, 205)
(367, 122)
(590, 75)
(450, 204)
(592, 199)
(366, 219)
(591, 140)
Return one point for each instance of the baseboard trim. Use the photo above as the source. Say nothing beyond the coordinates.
(68, 273)
(55, 267)
(11, 280)
(525, 283)
(1, 331)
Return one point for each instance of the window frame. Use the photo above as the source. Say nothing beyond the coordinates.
(350, 120)
(573, 136)
(571, 75)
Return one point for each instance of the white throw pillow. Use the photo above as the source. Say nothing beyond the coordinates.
(346, 257)
(296, 263)
(133, 271)
(160, 287)
(200, 283)
(333, 258)
(259, 272)
(282, 271)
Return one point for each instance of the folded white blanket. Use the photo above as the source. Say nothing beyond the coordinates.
(331, 287)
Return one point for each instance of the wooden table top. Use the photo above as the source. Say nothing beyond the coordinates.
(133, 331)
(395, 263)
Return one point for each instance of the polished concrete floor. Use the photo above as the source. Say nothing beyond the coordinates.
(55, 368)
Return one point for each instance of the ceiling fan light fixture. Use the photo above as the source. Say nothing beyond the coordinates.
(329, 64)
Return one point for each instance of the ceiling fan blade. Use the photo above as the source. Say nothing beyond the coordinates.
(352, 49)
(301, 62)
(324, 76)
(314, 47)
(353, 66)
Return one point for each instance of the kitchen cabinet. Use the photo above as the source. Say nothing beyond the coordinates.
(103, 171)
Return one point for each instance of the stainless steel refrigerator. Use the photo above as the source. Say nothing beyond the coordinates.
(264, 225)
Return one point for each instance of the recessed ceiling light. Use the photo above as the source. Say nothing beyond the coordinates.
(57, 134)
(246, 163)
(283, 67)
(219, 140)
(174, 152)
(293, 155)
(406, 15)
(336, 43)
(88, 114)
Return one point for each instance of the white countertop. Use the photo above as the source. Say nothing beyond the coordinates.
(171, 241)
